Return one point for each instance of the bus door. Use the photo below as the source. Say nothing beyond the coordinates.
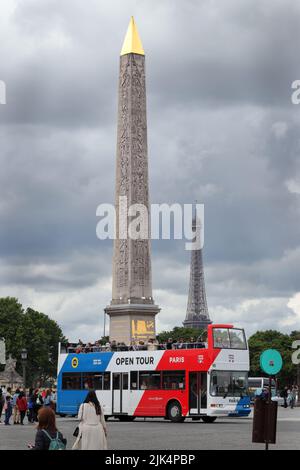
(119, 392)
(197, 392)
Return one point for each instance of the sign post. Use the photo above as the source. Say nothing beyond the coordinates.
(271, 364)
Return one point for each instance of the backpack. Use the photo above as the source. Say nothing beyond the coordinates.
(55, 443)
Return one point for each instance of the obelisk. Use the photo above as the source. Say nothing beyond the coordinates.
(132, 310)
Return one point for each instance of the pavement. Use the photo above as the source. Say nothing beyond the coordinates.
(152, 434)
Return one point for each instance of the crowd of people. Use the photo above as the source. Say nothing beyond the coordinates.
(151, 344)
(289, 395)
(19, 403)
(39, 406)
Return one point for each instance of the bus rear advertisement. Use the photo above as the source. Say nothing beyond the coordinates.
(199, 383)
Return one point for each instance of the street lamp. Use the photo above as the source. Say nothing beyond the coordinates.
(24, 361)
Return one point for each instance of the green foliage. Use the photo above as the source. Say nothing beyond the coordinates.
(181, 332)
(272, 339)
(35, 332)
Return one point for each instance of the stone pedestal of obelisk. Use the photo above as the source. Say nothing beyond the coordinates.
(132, 310)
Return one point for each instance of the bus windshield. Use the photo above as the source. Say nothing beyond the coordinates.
(228, 383)
(229, 338)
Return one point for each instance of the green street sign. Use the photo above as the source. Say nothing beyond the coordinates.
(271, 361)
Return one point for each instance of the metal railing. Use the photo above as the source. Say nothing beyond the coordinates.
(75, 348)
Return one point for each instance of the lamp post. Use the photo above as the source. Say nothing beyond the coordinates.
(24, 361)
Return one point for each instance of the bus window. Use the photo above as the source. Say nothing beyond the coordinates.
(254, 383)
(237, 339)
(229, 338)
(266, 383)
(149, 380)
(92, 380)
(239, 383)
(71, 381)
(221, 338)
(133, 380)
(219, 384)
(106, 381)
(228, 383)
(173, 380)
(125, 381)
(116, 381)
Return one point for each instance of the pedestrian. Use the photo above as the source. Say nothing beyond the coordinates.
(37, 403)
(48, 437)
(47, 398)
(16, 412)
(92, 432)
(292, 397)
(8, 409)
(2, 402)
(22, 406)
(53, 399)
(285, 396)
(30, 406)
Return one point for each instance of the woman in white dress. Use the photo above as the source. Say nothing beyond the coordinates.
(92, 428)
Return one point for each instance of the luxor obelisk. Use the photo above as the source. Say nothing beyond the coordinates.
(132, 310)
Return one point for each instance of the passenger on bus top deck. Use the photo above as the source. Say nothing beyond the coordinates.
(142, 345)
(133, 346)
(152, 344)
(180, 344)
(169, 344)
(113, 345)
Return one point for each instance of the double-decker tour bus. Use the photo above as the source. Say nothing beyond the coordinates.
(196, 381)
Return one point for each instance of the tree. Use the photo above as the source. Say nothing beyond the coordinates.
(35, 332)
(181, 332)
(272, 339)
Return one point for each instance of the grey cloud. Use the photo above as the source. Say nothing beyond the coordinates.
(218, 80)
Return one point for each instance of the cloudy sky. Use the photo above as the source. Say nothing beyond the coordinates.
(221, 127)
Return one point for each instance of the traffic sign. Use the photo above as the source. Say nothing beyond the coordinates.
(271, 361)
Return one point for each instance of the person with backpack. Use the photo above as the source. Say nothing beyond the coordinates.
(48, 437)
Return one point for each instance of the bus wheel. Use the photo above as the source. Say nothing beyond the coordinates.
(127, 419)
(208, 419)
(174, 412)
(62, 415)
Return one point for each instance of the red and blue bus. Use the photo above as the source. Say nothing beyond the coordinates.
(198, 382)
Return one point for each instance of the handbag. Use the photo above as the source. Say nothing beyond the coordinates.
(76, 430)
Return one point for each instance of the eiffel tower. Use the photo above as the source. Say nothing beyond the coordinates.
(197, 315)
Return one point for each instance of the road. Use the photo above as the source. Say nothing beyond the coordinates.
(225, 433)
